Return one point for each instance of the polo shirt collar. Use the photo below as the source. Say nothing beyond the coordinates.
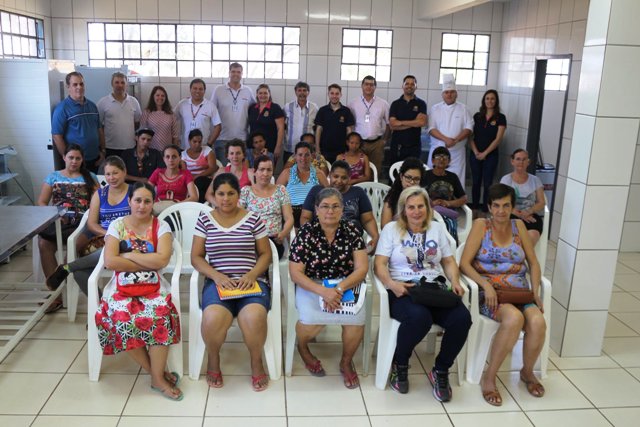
(267, 106)
(242, 86)
(191, 101)
(298, 105)
(84, 100)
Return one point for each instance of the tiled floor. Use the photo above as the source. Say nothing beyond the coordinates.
(44, 383)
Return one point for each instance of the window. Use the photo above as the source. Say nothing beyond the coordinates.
(22, 36)
(466, 56)
(557, 74)
(196, 50)
(366, 52)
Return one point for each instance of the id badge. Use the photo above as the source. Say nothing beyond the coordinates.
(235, 108)
(367, 118)
(194, 125)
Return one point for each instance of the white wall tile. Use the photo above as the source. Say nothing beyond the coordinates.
(211, 11)
(574, 80)
(436, 44)
(558, 320)
(563, 272)
(532, 13)
(61, 9)
(543, 12)
(597, 29)
(462, 20)
(614, 143)
(316, 70)
(62, 30)
(561, 186)
(593, 280)
(554, 11)
(521, 17)
(103, 9)
(318, 39)
(80, 34)
(580, 9)
(333, 72)
(319, 12)
(254, 11)
(482, 17)
(598, 203)
(572, 208)
(401, 13)
(399, 69)
(635, 176)
(584, 333)
(276, 11)
(401, 44)
(630, 237)
(340, 12)
(633, 205)
(590, 79)
(82, 9)
(43, 7)
(618, 99)
(232, 11)
(335, 40)
(147, 9)
(550, 39)
(443, 23)
(570, 117)
(297, 12)
(381, 13)
(126, 12)
(578, 29)
(498, 15)
(417, 21)
(81, 57)
(361, 12)
(563, 42)
(420, 43)
(566, 10)
(554, 230)
(420, 69)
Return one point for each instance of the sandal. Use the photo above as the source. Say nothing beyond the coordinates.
(55, 306)
(315, 368)
(169, 393)
(214, 379)
(350, 379)
(260, 382)
(172, 378)
(534, 388)
(492, 397)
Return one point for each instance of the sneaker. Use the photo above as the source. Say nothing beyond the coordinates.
(440, 382)
(399, 380)
(55, 280)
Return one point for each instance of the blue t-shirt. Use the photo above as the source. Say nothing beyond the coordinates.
(355, 200)
(78, 124)
(108, 212)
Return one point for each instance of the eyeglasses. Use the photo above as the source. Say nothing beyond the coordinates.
(440, 157)
(411, 179)
(327, 208)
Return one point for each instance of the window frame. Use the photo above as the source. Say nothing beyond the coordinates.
(445, 70)
(376, 47)
(38, 37)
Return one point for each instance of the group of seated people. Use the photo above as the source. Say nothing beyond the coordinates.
(328, 260)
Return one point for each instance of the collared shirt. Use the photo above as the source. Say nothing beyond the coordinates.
(449, 120)
(78, 124)
(118, 119)
(233, 107)
(402, 109)
(142, 168)
(265, 121)
(334, 128)
(204, 117)
(299, 121)
(377, 111)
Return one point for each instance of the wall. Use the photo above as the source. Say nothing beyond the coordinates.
(535, 28)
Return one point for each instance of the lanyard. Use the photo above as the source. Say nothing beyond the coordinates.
(235, 98)
(368, 107)
(197, 111)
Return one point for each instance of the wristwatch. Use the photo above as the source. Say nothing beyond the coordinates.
(339, 288)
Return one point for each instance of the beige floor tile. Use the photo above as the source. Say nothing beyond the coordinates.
(329, 353)
(42, 356)
(57, 326)
(105, 397)
(419, 400)
(622, 417)
(16, 420)
(410, 420)
(74, 421)
(160, 421)
(629, 256)
(623, 302)
(607, 387)
(628, 282)
(18, 263)
(635, 372)
(616, 328)
(25, 393)
(329, 421)
(560, 393)
(568, 418)
(511, 419)
(623, 269)
(119, 363)
(625, 351)
(311, 396)
(633, 264)
(146, 402)
(599, 362)
(244, 421)
(13, 276)
(224, 401)
(468, 398)
(617, 289)
(632, 320)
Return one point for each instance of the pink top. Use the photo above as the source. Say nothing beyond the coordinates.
(195, 166)
(356, 169)
(173, 189)
(164, 125)
(244, 178)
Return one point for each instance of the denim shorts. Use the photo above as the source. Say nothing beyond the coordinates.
(210, 296)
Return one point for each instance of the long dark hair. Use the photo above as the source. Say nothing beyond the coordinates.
(138, 185)
(151, 105)
(483, 107)
(86, 175)
(396, 188)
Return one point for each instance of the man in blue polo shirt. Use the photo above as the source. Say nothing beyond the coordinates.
(407, 115)
(76, 121)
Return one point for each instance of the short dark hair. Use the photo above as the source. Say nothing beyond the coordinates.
(354, 133)
(235, 143)
(67, 78)
(500, 191)
(301, 84)
(196, 81)
(307, 134)
(341, 164)
(235, 65)
(409, 76)
(193, 133)
(261, 159)
(115, 161)
(518, 150)
(375, 83)
(138, 185)
(226, 178)
(440, 151)
(119, 75)
(335, 86)
(171, 147)
(302, 144)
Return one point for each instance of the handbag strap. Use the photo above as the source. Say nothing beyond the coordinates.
(154, 233)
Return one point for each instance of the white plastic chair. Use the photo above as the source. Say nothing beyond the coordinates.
(273, 344)
(541, 246)
(94, 351)
(374, 171)
(395, 169)
(483, 329)
(184, 217)
(376, 192)
(388, 334)
(73, 291)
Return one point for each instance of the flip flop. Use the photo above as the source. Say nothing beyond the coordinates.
(492, 397)
(214, 379)
(315, 368)
(55, 306)
(168, 393)
(534, 388)
(258, 383)
(350, 380)
(172, 378)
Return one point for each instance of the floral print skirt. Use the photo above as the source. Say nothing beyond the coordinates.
(126, 323)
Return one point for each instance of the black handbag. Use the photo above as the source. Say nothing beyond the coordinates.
(433, 294)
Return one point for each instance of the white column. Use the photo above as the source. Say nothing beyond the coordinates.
(600, 167)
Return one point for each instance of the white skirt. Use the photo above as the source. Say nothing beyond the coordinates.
(310, 313)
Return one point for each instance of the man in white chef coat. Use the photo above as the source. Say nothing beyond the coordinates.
(450, 124)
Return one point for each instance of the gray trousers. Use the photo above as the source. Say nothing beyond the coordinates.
(82, 268)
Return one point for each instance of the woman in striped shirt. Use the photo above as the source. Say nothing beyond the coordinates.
(231, 249)
(159, 117)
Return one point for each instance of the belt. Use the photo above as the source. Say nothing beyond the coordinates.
(372, 139)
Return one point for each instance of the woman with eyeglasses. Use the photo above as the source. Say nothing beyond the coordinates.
(328, 247)
(411, 173)
(530, 201)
